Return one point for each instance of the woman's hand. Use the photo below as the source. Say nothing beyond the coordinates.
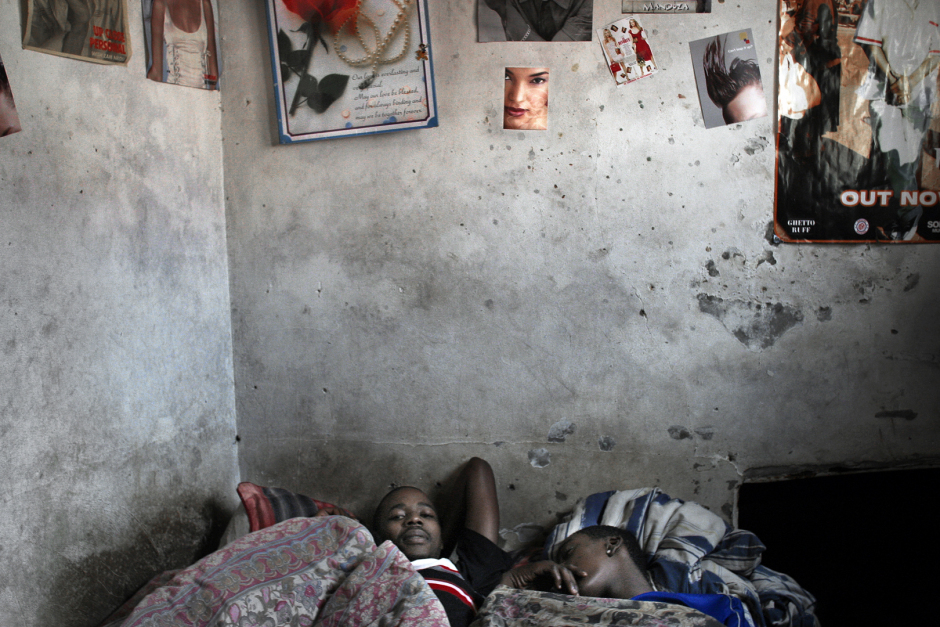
(563, 578)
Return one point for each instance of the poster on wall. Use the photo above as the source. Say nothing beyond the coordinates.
(348, 67)
(727, 74)
(678, 6)
(522, 20)
(182, 42)
(627, 50)
(91, 30)
(525, 98)
(9, 118)
(858, 145)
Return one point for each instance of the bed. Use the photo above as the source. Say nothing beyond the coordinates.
(281, 564)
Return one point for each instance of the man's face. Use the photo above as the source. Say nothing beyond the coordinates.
(409, 520)
(580, 552)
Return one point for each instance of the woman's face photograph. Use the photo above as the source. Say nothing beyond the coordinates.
(525, 106)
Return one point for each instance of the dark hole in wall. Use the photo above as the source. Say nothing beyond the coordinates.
(863, 544)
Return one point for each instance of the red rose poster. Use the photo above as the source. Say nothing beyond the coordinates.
(858, 145)
(345, 68)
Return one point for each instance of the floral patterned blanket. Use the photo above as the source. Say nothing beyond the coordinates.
(303, 572)
(508, 607)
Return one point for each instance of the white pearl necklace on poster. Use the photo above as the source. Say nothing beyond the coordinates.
(376, 57)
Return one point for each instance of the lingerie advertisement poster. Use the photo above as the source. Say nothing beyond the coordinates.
(90, 30)
(627, 50)
(182, 42)
(347, 68)
(858, 144)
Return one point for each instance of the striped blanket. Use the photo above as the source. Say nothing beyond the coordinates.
(692, 550)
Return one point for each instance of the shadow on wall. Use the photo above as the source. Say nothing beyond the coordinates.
(88, 590)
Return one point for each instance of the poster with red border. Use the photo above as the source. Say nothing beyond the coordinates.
(858, 142)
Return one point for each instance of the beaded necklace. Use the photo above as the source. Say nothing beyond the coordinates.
(375, 57)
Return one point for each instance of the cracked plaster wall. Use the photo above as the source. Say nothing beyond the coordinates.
(117, 413)
(596, 306)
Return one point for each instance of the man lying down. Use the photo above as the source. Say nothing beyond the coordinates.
(594, 562)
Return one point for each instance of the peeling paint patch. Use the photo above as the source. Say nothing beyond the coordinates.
(906, 414)
(754, 325)
(706, 433)
(606, 443)
(712, 269)
(824, 314)
(679, 433)
(912, 281)
(755, 145)
(560, 496)
(770, 236)
(540, 457)
(559, 431)
(767, 257)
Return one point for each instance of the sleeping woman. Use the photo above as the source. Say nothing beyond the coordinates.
(187, 27)
(608, 562)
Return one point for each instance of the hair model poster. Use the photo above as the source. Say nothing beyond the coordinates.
(523, 20)
(627, 50)
(350, 67)
(858, 145)
(90, 30)
(728, 77)
(182, 42)
(677, 6)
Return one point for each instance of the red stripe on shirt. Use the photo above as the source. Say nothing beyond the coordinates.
(457, 591)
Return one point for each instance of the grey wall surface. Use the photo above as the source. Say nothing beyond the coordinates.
(592, 307)
(117, 416)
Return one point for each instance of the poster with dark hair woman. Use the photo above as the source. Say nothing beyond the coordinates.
(728, 78)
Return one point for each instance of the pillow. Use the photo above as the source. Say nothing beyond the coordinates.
(268, 506)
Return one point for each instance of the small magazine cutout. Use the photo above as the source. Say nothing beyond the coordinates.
(627, 50)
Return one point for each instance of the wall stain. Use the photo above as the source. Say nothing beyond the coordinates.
(706, 433)
(540, 457)
(606, 443)
(912, 281)
(906, 414)
(561, 496)
(712, 269)
(560, 431)
(824, 314)
(755, 145)
(679, 433)
(754, 325)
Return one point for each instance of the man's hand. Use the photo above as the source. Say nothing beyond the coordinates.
(564, 579)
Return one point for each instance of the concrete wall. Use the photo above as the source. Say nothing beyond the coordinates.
(117, 420)
(596, 306)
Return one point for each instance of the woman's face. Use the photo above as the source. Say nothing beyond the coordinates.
(9, 120)
(747, 105)
(525, 106)
(633, 24)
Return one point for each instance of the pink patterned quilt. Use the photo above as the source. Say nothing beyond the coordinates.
(508, 607)
(302, 572)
